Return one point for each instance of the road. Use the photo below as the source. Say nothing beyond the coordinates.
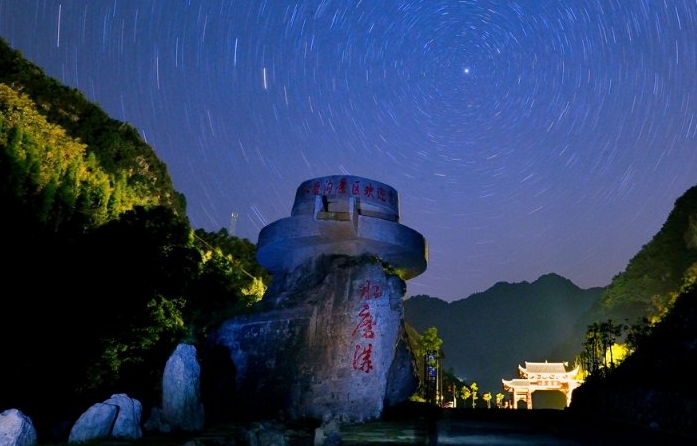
(506, 427)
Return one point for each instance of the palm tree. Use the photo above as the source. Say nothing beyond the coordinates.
(465, 392)
(499, 399)
(487, 397)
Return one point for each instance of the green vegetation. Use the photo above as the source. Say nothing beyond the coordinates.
(429, 347)
(645, 293)
(97, 241)
(649, 285)
(63, 121)
(438, 386)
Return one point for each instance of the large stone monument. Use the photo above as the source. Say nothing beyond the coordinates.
(330, 338)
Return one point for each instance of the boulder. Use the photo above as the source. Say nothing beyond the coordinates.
(117, 417)
(16, 429)
(127, 424)
(333, 341)
(94, 424)
(182, 409)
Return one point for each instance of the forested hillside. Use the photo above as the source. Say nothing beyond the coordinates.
(649, 313)
(649, 285)
(643, 294)
(104, 167)
(103, 274)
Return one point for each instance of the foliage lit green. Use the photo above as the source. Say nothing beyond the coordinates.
(104, 275)
(645, 293)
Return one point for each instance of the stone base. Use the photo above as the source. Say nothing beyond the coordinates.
(331, 340)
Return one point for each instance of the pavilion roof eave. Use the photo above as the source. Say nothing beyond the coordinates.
(537, 368)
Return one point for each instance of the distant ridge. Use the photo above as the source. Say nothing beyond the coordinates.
(488, 334)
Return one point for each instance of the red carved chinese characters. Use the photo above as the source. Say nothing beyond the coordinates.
(361, 358)
(342, 186)
(369, 291)
(382, 194)
(356, 188)
(328, 187)
(362, 353)
(365, 324)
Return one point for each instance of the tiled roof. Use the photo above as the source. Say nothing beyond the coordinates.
(545, 367)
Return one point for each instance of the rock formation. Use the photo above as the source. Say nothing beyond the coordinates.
(16, 429)
(181, 404)
(117, 417)
(182, 409)
(330, 338)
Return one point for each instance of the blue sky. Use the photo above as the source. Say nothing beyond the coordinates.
(523, 137)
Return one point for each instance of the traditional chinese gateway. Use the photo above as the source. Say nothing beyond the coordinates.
(541, 376)
(331, 337)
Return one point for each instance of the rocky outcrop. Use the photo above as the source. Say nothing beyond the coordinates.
(331, 341)
(16, 429)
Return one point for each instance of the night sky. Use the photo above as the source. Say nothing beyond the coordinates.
(523, 137)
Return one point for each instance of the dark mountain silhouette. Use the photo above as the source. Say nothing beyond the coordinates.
(652, 386)
(487, 335)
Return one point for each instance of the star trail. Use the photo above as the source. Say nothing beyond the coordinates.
(523, 137)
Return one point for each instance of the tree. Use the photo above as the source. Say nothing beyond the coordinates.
(637, 332)
(465, 393)
(430, 342)
(610, 331)
(598, 357)
(430, 347)
(592, 349)
(499, 399)
(487, 398)
(474, 388)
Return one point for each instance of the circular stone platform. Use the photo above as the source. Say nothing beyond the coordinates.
(343, 214)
